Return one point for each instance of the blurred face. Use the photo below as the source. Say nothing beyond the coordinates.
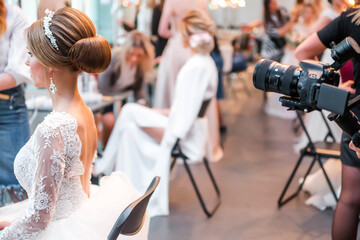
(308, 14)
(135, 56)
(38, 71)
(273, 6)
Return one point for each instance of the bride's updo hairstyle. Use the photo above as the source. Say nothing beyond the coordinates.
(79, 48)
(197, 29)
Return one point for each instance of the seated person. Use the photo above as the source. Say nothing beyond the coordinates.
(241, 53)
(54, 166)
(128, 70)
(142, 139)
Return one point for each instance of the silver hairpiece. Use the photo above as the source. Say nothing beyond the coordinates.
(47, 31)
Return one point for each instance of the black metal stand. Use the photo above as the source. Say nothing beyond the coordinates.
(309, 150)
(177, 153)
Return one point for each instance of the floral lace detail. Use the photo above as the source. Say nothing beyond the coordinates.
(48, 167)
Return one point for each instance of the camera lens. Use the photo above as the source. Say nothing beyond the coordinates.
(272, 76)
(345, 50)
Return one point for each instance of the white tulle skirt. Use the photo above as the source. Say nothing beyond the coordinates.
(96, 216)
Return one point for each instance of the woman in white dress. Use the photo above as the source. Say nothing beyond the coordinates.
(54, 167)
(142, 139)
(175, 55)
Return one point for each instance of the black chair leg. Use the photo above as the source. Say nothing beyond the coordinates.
(173, 163)
(281, 202)
(211, 212)
(327, 179)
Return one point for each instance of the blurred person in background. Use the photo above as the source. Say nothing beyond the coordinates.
(301, 30)
(142, 139)
(277, 23)
(130, 65)
(174, 55)
(219, 62)
(159, 41)
(14, 122)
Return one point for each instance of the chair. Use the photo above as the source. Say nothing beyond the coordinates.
(132, 218)
(177, 153)
(318, 151)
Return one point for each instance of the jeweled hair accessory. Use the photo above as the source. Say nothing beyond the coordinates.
(47, 23)
(197, 38)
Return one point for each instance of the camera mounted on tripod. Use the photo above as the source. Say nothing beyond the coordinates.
(312, 86)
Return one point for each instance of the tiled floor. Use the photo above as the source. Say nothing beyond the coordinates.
(258, 159)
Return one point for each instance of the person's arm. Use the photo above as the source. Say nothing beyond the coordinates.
(288, 26)
(314, 45)
(45, 187)
(164, 30)
(321, 22)
(310, 48)
(275, 32)
(16, 72)
(357, 150)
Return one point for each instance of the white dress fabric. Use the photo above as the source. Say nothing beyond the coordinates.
(13, 52)
(134, 152)
(49, 168)
(174, 57)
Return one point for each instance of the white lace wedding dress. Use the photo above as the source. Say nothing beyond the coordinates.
(49, 168)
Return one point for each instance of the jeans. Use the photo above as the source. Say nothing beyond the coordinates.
(14, 133)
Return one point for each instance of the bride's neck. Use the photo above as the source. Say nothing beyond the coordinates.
(67, 94)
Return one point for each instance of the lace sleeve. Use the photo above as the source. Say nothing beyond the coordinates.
(50, 158)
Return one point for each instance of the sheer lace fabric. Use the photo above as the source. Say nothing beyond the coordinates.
(48, 167)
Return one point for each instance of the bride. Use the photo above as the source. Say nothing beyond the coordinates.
(54, 167)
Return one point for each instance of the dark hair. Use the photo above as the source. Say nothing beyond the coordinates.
(267, 17)
(330, 1)
(243, 40)
(216, 46)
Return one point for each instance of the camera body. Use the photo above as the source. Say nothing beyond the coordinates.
(312, 86)
(305, 85)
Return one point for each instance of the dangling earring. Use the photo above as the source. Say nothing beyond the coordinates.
(52, 86)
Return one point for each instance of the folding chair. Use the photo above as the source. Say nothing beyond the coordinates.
(132, 218)
(177, 153)
(318, 151)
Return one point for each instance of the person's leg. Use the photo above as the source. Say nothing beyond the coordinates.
(347, 211)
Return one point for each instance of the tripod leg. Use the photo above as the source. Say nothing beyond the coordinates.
(281, 201)
(327, 178)
(172, 163)
(307, 173)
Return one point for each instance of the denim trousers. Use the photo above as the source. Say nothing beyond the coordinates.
(14, 133)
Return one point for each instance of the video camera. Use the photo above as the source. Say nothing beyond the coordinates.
(312, 86)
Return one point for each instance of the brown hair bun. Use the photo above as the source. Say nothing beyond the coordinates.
(92, 55)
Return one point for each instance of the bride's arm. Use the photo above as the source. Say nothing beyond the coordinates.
(50, 160)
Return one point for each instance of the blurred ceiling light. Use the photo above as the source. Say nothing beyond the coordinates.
(351, 3)
(127, 3)
(215, 4)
